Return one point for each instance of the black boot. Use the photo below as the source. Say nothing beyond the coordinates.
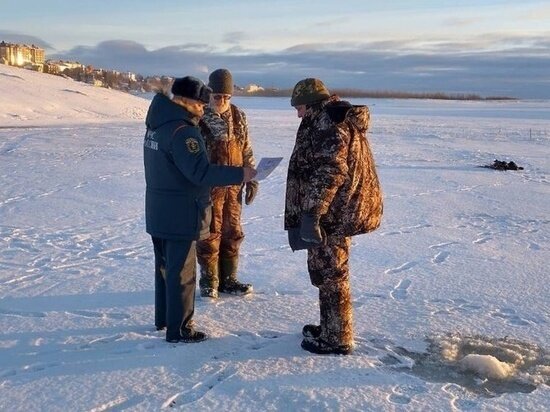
(188, 335)
(228, 278)
(321, 347)
(311, 331)
(209, 280)
(192, 336)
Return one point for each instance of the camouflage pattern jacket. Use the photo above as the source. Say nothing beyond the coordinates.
(226, 136)
(331, 172)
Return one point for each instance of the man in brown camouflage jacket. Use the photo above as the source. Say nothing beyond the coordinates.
(225, 131)
(332, 193)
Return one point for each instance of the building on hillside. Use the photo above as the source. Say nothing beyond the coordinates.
(251, 88)
(21, 54)
(59, 66)
(128, 76)
(35, 67)
(38, 56)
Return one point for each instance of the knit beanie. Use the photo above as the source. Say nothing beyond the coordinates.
(221, 81)
(192, 88)
(308, 91)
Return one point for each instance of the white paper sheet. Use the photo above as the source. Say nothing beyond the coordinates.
(266, 166)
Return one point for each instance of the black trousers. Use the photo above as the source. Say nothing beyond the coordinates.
(175, 268)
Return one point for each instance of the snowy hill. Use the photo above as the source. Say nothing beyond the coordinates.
(30, 98)
(450, 295)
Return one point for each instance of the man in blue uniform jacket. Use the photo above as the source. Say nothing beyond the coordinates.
(179, 177)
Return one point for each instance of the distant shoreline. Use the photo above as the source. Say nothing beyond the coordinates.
(342, 92)
(385, 94)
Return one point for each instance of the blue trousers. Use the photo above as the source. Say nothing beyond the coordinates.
(175, 277)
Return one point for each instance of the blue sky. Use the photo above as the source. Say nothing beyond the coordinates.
(491, 47)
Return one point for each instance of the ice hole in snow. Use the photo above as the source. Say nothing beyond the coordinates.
(504, 365)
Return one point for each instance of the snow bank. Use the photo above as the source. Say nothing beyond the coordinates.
(29, 98)
(486, 366)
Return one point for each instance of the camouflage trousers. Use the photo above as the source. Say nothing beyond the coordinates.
(328, 267)
(226, 234)
(225, 238)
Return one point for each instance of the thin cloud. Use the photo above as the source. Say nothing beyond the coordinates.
(13, 37)
(518, 69)
(330, 23)
(460, 23)
(234, 37)
(541, 13)
(125, 46)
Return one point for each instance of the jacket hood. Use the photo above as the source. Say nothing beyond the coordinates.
(163, 110)
(341, 110)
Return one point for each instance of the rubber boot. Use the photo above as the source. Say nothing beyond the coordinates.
(228, 278)
(209, 280)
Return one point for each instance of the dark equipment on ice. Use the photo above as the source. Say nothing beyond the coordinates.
(503, 165)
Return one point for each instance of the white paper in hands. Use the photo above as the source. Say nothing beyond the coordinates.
(266, 166)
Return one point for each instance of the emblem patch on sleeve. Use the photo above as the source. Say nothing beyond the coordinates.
(192, 145)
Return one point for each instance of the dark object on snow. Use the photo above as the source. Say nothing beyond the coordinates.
(502, 165)
(320, 347)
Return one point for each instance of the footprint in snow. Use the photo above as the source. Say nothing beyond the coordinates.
(510, 315)
(22, 313)
(440, 257)
(403, 394)
(200, 389)
(400, 292)
(459, 397)
(403, 267)
(101, 315)
(483, 238)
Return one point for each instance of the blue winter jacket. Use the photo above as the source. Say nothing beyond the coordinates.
(178, 175)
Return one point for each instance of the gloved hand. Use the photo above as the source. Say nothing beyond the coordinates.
(296, 242)
(251, 191)
(310, 230)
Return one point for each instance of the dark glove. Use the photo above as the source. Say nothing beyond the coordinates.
(296, 242)
(251, 191)
(310, 230)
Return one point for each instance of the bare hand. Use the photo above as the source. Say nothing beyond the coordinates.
(249, 174)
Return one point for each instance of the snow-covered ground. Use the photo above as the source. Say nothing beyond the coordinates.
(35, 99)
(451, 294)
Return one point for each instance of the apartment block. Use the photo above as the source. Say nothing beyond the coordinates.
(21, 54)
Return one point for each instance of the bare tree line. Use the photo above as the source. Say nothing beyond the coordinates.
(380, 94)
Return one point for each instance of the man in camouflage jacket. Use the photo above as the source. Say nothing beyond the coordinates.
(332, 193)
(225, 130)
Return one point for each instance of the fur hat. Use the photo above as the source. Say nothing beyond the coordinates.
(192, 88)
(308, 91)
(221, 81)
